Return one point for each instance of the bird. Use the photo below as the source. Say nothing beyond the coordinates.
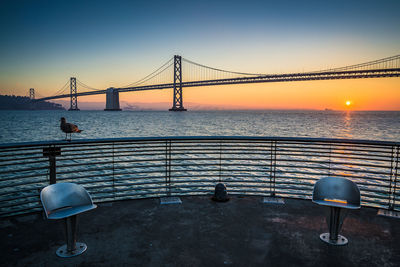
(68, 128)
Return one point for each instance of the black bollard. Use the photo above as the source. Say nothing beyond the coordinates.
(220, 194)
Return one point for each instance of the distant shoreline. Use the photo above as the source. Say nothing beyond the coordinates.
(11, 102)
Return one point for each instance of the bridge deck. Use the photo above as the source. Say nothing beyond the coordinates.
(199, 232)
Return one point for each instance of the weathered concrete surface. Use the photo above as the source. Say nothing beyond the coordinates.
(199, 232)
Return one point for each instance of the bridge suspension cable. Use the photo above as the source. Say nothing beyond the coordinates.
(153, 75)
(86, 86)
(38, 95)
(62, 90)
(193, 71)
(383, 63)
(227, 71)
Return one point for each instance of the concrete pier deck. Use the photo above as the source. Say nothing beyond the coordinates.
(199, 232)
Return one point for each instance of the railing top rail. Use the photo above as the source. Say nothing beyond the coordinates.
(199, 138)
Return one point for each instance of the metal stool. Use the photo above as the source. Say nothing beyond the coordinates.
(339, 194)
(66, 201)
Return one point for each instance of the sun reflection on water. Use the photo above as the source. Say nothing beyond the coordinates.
(348, 127)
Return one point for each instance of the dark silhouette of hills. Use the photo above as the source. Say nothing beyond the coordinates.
(12, 102)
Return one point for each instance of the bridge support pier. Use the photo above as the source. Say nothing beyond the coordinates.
(178, 100)
(74, 97)
(112, 100)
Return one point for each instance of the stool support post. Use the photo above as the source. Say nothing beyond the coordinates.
(72, 248)
(71, 228)
(334, 223)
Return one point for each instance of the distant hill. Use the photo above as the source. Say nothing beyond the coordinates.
(11, 102)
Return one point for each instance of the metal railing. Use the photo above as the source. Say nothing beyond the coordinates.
(130, 168)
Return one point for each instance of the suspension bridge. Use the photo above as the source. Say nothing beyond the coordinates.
(179, 72)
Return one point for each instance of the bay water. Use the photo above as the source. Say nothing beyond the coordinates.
(27, 126)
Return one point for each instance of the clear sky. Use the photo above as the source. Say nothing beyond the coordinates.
(114, 43)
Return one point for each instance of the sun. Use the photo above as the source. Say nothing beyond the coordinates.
(348, 103)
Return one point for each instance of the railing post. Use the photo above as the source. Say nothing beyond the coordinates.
(51, 152)
(168, 158)
(329, 166)
(272, 169)
(394, 163)
(220, 159)
(395, 177)
(168, 167)
(390, 206)
(52, 167)
(113, 170)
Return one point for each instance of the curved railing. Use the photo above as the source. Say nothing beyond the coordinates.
(129, 168)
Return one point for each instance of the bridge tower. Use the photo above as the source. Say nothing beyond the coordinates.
(32, 93)
(74, 97)
(178, 100)
(32, 104)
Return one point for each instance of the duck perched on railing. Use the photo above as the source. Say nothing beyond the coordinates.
(68, 128)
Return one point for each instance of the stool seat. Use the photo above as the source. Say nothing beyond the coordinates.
(64, 200)
(336, 192)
